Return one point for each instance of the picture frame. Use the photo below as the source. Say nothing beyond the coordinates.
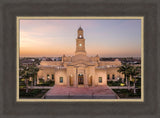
(11, 108)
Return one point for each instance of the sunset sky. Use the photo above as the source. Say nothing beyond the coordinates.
(107, 38)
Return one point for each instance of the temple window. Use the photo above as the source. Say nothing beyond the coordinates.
(47, 76)
(113, 76)
(61, 79)
(108, 76)
(100, 79)
(52, 76)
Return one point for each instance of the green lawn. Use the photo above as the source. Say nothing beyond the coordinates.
(47, 83)
(115, 83)
(125, 93)
(32, 93)
(118, 83)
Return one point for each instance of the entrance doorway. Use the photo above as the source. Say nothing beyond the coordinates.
(90, 81)
(80, 79)
(71, 81)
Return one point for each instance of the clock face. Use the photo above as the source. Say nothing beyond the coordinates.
(80, 36)
(80, 44)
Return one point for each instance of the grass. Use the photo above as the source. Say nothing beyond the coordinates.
(47, 83)
(119, 82)
(125, 93)
(32, 93)
(114, 83)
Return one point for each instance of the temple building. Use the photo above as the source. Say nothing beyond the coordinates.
(79, 70)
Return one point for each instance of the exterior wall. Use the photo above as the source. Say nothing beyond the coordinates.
(58, 74)
(100, 73)
(71, 76)
(114, 71)
(90, 74)
(43, 72)
(78, 58)
(94, 59)
(67, 59)
(110, 63)
(51, 63)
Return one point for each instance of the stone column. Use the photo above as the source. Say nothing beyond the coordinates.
(85, 79)
(37, 80)
(68, 84)
(93, 81)
(50, 76)
(76, 78)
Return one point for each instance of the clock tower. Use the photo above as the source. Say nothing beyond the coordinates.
(80, 43)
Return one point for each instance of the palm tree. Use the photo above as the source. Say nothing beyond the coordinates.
(26, 76)
(134, 72)
(33, 72)
(124, 69)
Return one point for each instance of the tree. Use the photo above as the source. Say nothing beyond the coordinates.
(134, 72)
(125, 70)
(29, 71)
(26, 76)
(33, 73)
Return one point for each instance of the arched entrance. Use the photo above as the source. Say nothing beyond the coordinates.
(90, 81)
(70, 81)
(80, 79)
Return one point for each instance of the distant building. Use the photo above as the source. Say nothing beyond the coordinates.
(26, 62)
(79, 70)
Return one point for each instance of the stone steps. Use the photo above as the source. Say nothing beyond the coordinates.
(63, 92)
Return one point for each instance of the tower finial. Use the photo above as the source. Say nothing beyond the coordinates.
(80, 28)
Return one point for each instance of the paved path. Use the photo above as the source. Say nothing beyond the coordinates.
(40, 87)
(49, 87)
(64, 92)
(121, 87)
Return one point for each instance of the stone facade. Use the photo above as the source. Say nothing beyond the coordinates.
(79, 70)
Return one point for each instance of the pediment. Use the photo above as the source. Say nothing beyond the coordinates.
(80, 65)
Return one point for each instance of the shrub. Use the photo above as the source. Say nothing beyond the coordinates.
(32, 93)
(41, 81)
(122, 84)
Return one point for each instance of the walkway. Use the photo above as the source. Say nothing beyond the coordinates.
(121, 87)
(40, 87)
(64, 92)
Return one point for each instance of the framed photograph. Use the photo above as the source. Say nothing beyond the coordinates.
(51, 71)
(79, 59)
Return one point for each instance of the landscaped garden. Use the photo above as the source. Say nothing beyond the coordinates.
(27, 80)
(132, 78)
